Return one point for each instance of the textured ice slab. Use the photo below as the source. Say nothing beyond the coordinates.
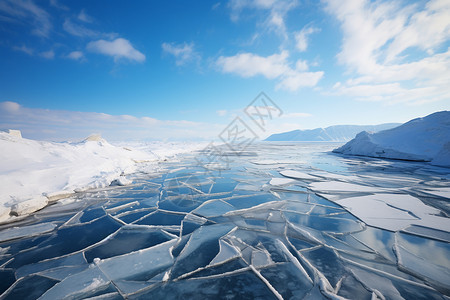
(79, 286)
(298, 175)
(441, 192)
(77, 259)
(394, 212)
(343, 187)
(194, 255)
(25, 231)
(140, 265)
(226, 253)
(422, 268)
(281, 181)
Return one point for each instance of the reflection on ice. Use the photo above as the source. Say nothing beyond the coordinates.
(280, 222)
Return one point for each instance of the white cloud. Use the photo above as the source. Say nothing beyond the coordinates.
(183, 53)
(426, 29)
(274, 21)
(377, 37)
(77, 27)
(393, 93)
(50, 124)
(55, 3)
(24, 49)
(118, 49)
(237, 6)
(78, 30)
(75, 55)
(9, 106)
(275, 66)
(28, 12)
(83, 16)
(294, 80)
(249, 64)
(48, 54)
(301, 65)
(301, 37)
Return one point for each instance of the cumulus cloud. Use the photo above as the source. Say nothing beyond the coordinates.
(75, 55)
(9, 106)
(301, 37)
(376, 41)
(249, 64)
(294, 80)
(275, 66)
(183, 53)
(59, 125)
(119, 48)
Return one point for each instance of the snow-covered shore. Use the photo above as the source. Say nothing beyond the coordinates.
(422, 139)
(32, 173)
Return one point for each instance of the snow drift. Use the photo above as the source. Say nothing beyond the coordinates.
(421, 139)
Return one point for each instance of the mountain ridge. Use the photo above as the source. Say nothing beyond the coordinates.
(335, 133)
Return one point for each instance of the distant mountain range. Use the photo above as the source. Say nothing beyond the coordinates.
(337, 133)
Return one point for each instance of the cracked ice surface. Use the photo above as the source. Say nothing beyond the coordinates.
(289, 221)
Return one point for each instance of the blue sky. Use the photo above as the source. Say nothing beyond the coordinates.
(185, 69)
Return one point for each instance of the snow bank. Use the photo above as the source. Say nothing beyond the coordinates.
(421, 139)
(32, 173)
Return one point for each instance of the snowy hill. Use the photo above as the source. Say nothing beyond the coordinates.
(338, 133)
(34, 173)
(421, 139)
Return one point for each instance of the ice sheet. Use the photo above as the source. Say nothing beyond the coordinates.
(394, 212)
(139, 265)
(81, 285)
(182, 232)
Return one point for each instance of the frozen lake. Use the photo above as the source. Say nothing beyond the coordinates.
(280, 221)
